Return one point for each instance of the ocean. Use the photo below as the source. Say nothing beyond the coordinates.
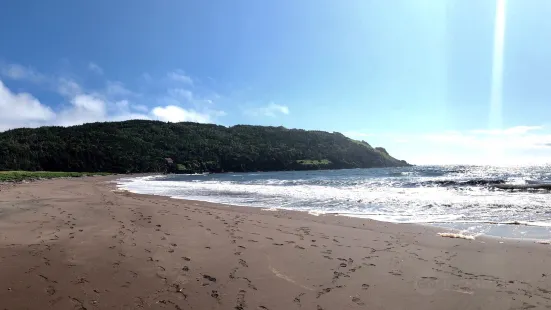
(458, 197)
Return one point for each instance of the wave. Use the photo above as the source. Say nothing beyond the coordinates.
(473, 182)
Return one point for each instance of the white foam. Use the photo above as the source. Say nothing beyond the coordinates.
(315, 213)
(120, 191)
(456, 235)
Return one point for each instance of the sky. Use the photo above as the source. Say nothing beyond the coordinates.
(434, 82)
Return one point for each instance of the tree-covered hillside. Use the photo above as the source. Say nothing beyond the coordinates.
(145, 146)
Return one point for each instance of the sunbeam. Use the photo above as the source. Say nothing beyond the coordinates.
(496, 114)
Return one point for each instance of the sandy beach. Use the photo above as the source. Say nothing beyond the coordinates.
(78, 244)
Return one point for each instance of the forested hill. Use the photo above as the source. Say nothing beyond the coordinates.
(153, 146)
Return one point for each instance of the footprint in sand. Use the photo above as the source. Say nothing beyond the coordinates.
(212, 279)
(50, 290)
(297, 299)
(214, 294)
(324, 291)
(232, 273)
(240, 303)
(426, 285)
(358, 301)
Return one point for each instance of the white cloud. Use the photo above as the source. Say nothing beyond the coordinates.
(21, 110)
(21, 73)
(24, 110)
(180, 76)
(83, 109)
(95, 68)
(173, 113)
(89, 105)
(270, 110)
(114, 102)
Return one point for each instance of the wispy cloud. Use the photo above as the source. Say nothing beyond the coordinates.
(202, 111)
(68, 88)
(180, 76)
(181, 94)
(117, 89)
(21, 73)
(95, 68)
(270, 110)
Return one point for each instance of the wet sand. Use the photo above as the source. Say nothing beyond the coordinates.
(77, 244)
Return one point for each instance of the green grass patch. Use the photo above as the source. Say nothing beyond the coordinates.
(181, 167)
(15, 176)
(312, 162)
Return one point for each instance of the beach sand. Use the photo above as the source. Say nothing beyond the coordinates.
(77, 244)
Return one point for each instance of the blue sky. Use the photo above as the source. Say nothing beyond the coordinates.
(412, 76)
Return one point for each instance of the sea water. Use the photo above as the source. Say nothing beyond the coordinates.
(460, 197)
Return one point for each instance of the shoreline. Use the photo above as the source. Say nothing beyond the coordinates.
(435, 228)
(77, 244)
(453, 226)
